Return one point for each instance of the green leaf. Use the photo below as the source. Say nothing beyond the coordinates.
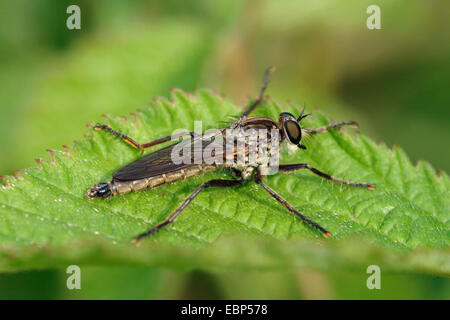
(46, 221)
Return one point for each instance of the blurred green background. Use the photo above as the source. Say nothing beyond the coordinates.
(393, 81)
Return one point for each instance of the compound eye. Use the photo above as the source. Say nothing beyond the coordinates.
(293, 131)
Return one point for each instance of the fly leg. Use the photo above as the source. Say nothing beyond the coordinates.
(331, 126)
(211, 183)
(261, 94)
(258, 180)
(133, 143)
(300, 166)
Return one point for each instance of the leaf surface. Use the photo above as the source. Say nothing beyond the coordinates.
(46, 221)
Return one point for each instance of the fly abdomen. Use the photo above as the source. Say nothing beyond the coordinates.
(115, 186)
(100, 190)
(122, 187)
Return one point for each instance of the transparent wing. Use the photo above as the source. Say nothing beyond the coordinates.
(159, 162)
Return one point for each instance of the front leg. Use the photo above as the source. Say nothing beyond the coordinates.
(331, 126)
(300, 166)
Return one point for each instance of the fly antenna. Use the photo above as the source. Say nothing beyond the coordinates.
(301, 114)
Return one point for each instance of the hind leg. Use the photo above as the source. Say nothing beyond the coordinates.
(132, 142)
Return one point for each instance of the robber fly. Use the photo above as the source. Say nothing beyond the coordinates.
(157, 168)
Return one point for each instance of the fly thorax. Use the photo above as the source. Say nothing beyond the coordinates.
(251, 147)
